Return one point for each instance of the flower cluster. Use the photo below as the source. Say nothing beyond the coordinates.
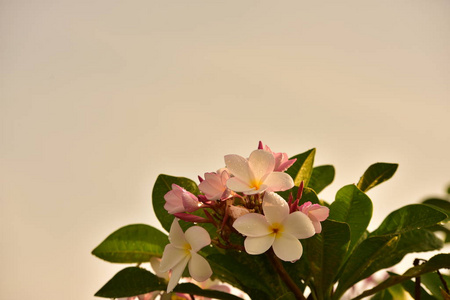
(240, 199)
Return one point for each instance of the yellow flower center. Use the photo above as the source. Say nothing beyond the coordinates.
(187, 248)
(255, 184)
(276, 228)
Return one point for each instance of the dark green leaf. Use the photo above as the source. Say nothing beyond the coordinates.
(163, 185)
(376, 174)
(325, 253)
(192, 289)
(360, 262)
(354, 208)
(433, 283)
(287, 296)
(321, 177)
(441, 205)
(410, 287)
(301, 170)
(408, 218)
(132, 244)
(252, 272)
(437, 262)
(131, 281)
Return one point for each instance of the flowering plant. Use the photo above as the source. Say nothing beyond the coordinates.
(258, 226)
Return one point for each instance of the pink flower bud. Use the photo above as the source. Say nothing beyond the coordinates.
(179, 200)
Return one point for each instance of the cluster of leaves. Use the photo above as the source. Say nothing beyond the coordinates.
(343, 254)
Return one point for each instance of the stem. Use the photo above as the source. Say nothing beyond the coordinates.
(276, 263)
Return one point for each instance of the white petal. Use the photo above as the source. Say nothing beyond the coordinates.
(258, 245)
(237, 185)
(299, 225)
(171, 257)
(275, 208)
(197, 237)
(278, 181)
(176, 235)
(287, 247)
(261, 163)
(199, 267)
(177, 271)
(252, 225)
(238, 166)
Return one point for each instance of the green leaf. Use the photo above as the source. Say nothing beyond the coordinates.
(321, 177)
(353, 207)
(252, 272)
(192, 289)
(135, 281)
(439, 204)
(131, 281)
(433, 283)
(163, 185)
(325, 253)
(287, 296)
(410, 287)
(437, 262)
(301, 170)
(135, 243)
(408, 218)
(361, 260)
(376, 174)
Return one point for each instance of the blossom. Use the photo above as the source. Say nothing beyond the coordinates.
(215, 185)
(276, 228)
(282, 161)
(182, 251)
(316, 213)
(255, 174)
(179, 200)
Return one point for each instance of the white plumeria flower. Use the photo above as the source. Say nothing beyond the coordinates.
(255, 174)
(182, 251)
(276, 228)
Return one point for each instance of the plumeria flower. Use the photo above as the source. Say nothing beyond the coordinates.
(256, 174)
(215, 185)
(276, 228)
(179, 200)
(316, 213)
(182, 251)
(282, 161)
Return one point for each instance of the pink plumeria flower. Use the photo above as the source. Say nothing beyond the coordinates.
(316, 213)
(179, 200)
(215, 185)
(255, 174)
(182, 251)
(282, 161)
(276, 228)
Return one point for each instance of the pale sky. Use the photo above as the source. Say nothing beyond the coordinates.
(99, 97)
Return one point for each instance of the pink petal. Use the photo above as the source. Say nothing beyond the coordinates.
(177, 271)
(275, 208)
(238, 166)
(278, 181)
(319, 212)
(199, 268)
(171, 257)
(258, 245)
(190, 202)
(252, 225)
(173, 203)
(197, 237)
(317, 226)
(261, 163)
(299, 225)
(287, 247)
(176, 235)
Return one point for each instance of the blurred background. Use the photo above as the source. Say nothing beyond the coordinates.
(99, 97)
